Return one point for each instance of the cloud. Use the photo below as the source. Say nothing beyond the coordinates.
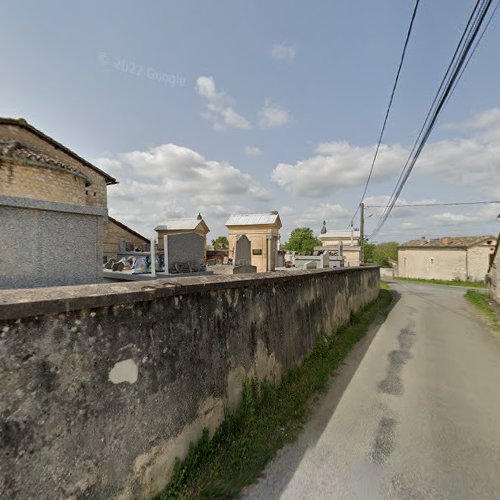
(253, 151)
(273, 115)
(481, 120)
(336, 217)
(175, 181)
(219, 106)
(472, 162)
(283, 52)
(486, 214)
(337, 165)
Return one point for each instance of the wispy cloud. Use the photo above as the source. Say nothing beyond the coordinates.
(283, 52)
(253, 151)
(219, 106)
(273, 115)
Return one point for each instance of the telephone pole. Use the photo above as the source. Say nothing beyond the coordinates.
(362, 233)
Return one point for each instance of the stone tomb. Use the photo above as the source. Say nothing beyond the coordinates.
(184, 253)
(242, 251)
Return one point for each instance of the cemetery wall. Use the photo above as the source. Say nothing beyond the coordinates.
(46, 243)
(104, 385)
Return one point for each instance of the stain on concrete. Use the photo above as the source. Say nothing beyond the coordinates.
(124, 371)
(393, 382)
(383, 442)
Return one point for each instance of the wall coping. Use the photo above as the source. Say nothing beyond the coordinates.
(29, 302)
(32, 203)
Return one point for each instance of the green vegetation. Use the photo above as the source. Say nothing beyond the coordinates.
(381, 253)
(220, 243)
(303, 241)
(384, 285)
(481, 301)
(469, 284)
(267, 418)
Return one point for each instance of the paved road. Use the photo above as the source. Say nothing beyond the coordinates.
(419, 417)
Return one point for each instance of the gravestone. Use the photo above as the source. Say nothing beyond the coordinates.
(183, 252)
(242, 251)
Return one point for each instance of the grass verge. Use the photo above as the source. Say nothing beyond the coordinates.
(468, 284)
(267, 418)
(481, 301)
(384, 285)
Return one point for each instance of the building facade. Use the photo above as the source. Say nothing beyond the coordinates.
(349, 239)
(53, 207)
(448, 258)
(120, 239)
(263, 232)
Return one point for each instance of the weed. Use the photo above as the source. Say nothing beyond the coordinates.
(480, 300)
(267, 418)
(468, 284)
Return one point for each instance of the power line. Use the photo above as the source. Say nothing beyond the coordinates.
(388, 107)
(457, 63)
(437, 204)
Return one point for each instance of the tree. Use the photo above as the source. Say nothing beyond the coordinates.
(381, 253)
(303, 241)
(369, 251)
(220, 242)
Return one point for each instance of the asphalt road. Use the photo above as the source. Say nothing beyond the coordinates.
(414, 414)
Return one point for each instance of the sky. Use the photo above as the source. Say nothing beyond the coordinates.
(250, 106)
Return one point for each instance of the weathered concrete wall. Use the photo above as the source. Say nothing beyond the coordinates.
(45, 243)
(104, 385)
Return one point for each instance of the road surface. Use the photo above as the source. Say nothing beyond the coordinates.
(419, 417)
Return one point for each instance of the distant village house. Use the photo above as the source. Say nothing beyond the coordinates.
(448, 258)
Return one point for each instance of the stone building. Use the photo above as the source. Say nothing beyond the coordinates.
(448, 258)
(263, 232)
(53, 206)
(121, 239)
(349, 239)
(180, 226)
(494, 273)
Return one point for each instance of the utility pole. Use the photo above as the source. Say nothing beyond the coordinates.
(362, 233)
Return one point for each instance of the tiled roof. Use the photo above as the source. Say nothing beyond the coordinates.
(253, 219)
(21, 122)
(126, 228)
(447, 241)
(15, 150)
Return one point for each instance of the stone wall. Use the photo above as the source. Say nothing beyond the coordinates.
(46, 243)
(478, 261)
(104, 385)
(432, 263)
(494, 275)
(41, 183)
(113, 234)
